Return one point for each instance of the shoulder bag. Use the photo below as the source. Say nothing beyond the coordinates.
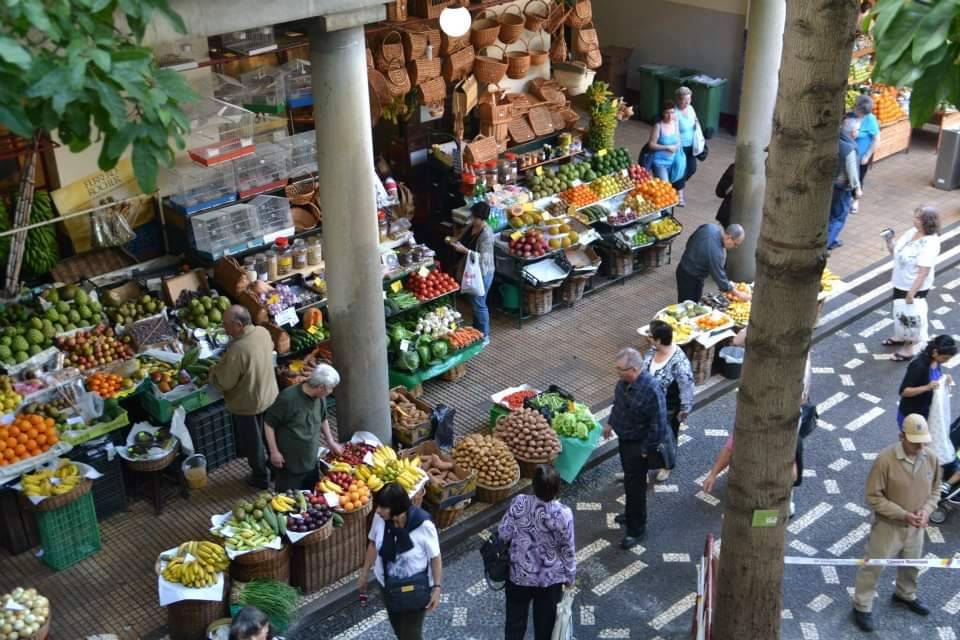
(663, 454)
(700, 149)
(407, 594)
(496, 561)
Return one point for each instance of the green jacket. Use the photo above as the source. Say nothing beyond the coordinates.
(245, 374)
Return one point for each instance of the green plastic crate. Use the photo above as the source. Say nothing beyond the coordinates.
(161, 410)
(69, 534)
(495, 412)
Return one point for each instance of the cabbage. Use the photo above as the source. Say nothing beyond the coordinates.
(408, 360)
(440, 349)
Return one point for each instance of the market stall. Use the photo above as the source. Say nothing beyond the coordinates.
(891, 105)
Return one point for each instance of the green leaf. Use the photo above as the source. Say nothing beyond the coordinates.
(37, 16)
(12, 52)
(13, 117)
(932, 30)
(99, 5)
(112, 101)
(78, 71)
(145, 165)
(101, 59)
(174, 85)
(132, 54)
(929, 89)
(899, 36)
(48, 84)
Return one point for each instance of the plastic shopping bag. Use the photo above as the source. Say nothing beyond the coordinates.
(563, 627)
(472, 281)
(939, 423)
(910, 320)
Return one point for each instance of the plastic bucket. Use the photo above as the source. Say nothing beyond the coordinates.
(511, 297)
(194, 470)
(732, 358)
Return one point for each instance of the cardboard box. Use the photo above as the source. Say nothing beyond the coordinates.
(195, 280)
(124, 293)
(448, 495)
(421, 432)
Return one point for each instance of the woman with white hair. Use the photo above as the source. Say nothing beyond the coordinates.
(293, 426)
(867, 139)
(687, 123)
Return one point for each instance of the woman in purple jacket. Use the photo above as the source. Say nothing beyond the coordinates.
(543, 556)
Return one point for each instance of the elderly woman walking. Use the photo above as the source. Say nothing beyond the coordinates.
(867, 139)
(687, 124)
(669, 366)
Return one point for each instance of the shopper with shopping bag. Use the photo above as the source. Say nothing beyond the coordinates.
(476, 245)
(924, 377)
(563, 627)
(914, 263)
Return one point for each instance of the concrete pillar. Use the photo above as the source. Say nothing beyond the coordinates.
(758, 95)
(350, 233)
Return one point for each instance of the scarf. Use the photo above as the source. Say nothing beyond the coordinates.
(396, 540)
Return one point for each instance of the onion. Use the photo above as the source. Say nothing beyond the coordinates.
(19, 625)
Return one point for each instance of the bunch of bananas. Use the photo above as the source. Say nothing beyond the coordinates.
(196, 564)
(388, 468)
(326, 485)
(40, 253)
(740, 312)
(827, 278)
(48, 483)
(283, 504)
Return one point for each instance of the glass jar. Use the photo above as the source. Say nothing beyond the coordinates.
(490, 175)
(261, 264)
(299, 252)
(273, 265)
(314, 251)
(284, 257)
(250, 267)
(382, 226)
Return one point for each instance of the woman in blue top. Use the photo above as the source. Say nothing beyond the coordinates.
(687, 122)
(866, 140)
(669, 163)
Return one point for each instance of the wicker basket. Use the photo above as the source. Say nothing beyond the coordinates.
(548, 91)
(443, 518)
(540, 119)
(390, 51)
(55, 502)
(492, 495)
(520, 130)
(701, 360)
(398, 80)
(422, 70)
(433, 91)
(585, 38)
(539, 54)
(43, 632)
(520, 104)
(451, 44)
(481, 149)
(556, 17)
(318, 536)
(89, 264)
(570, 117)
(268, 564)
(415, 42)
(305, 216)
(492, 113)
(528, 468)
(538, 302)
(397, 11)
(454, 373)
(429, 8)
(148, 466)
(535, 14)
(580, 14)
(378, 87)
(518, 63)
(458, 65)
(511, 24)
(573, 288)
(188, 619)
(556, 115)
(487, 69)
(484, 31)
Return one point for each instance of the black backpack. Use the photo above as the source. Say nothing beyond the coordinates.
(496, 561)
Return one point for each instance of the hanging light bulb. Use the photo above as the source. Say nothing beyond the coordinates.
(455, 20)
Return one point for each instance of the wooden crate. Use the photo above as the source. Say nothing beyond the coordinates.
(894, 138)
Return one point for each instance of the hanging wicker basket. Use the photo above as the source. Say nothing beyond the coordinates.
(556, 18)
(538, 55)
(458, 65)
(535, 13)
(451, 44)
(415, 42)
(397, 11)
(489, 70)
(481, 149)
(518, 63)
(580, 14)
(484, 31)
(433, 91)
(585, 38)
(520, 130)
(390, 52)
(540, 119)
(511, 25)
(422, 70)
(398, 80)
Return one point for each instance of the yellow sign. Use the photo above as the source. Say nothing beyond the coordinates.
(539, 171)
(516, 235)
(396, 286)
(528, 206)
(601, 153)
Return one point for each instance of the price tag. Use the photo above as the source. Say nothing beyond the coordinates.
(13, 605)
(384, 294)
(539, 171)
(516, 235)
(404, 345)
(75, 420)
(313, 330)
(765, 518)
(423, 272)
(287, 317)
(601, 153)
(396, 286)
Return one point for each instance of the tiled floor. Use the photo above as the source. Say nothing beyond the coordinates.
(115, 591)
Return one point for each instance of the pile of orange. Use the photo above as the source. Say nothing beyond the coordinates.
(356, 497)
(659, 192)
(579, 196)
(712, 321)
(27, 436)
(106, 385)
(886, 107)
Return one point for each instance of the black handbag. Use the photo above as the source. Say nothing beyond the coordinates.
(496, 561)
(703, 154)
(663, 455)
(407, 594)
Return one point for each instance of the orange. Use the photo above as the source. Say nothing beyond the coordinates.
(22, 438)
(11, 442)
(49, 422)
(4, 434)
(20, 450)
(42, 439)
(14, 431)
(35, 419)
(8, 454)
(31, 433)
(53, 439)
(31, 444)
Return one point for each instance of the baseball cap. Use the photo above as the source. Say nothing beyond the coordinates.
(915, 429)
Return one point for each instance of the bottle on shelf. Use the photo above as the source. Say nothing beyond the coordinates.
(284, 257)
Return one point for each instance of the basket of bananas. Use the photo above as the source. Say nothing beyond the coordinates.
(57, 486)
(195, 565)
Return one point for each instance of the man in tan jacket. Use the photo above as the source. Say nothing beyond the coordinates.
(245, 376)
(903, 489)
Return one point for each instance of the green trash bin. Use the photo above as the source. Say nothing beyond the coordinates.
(672, 80)
(646, 82)
(707, 100)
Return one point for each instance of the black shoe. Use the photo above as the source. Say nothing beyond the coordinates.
(257, 483)
(621, 518)
(629, 542)
(863, 620)
(836, 244)
(915, 605)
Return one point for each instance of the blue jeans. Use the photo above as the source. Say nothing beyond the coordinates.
(839, 210)
(481, 314)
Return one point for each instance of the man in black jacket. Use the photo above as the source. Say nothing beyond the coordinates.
(724, 190)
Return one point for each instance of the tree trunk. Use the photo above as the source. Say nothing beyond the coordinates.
(790, 258)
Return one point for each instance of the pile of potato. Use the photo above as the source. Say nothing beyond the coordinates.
(529, 435)
(404, 414)
(490, 458)
(440, 470)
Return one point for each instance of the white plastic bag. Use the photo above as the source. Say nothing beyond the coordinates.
(939, 423)
(178, 427)
(910, 320)
(472, 281)
(563, 627)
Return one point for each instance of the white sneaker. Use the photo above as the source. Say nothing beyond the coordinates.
(618, 477)
(662, 475)
(793, 508)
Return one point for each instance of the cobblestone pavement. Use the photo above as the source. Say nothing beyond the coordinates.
(648, 592)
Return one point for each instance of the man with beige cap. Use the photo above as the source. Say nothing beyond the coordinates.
(903, 488)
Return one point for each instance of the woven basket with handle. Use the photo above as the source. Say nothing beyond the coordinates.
(548, 91)
(398, 80)
(511, 25)
(518, 63)
(520, 130)
(422, 70)
(481, 149)
(580, 14)
(484, 31)
(520, 103)
(433, 91)
(415, 42)
(585, 38)
(539, 54)
(397, 11)
(390, 51)
(378, 87)
(451, 44)
(458, 65)
(558, 49)
(535, 13)
(229, 276)
(557, 16)
(489, 70)
(493, 113)
(540, 119)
